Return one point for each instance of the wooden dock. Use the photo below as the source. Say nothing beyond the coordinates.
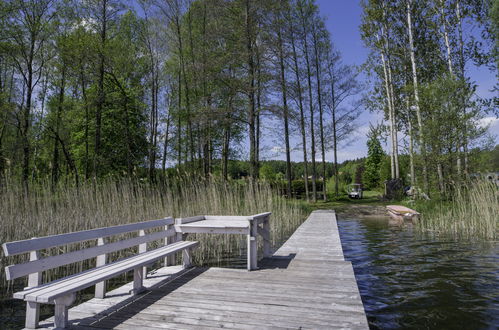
(305, 284)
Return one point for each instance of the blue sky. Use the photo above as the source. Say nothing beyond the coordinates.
(343, 20)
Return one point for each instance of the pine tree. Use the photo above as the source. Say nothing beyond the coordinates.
(375, 156)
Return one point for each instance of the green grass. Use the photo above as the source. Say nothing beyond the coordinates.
(342, 203)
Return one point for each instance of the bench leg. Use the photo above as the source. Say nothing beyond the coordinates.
(138, 280)
(100, 288)
(252, 246)
(32, 314)
(170, 260)
(32, 308)
(267, 250)
(186, 258)
(61, 310)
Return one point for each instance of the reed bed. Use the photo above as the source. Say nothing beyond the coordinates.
(473, 213)
(46, 211)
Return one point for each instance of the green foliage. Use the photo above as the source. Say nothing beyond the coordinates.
(298, 187)
(494, 18)
(486, 160)
(375, 156)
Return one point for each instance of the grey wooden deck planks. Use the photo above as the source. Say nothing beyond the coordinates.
(306, 284)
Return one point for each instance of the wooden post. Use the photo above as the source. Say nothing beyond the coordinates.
(170, 260)
(267, 251)
(186, 258)
(142, 249)
(100, 288)
(61, 310)
(33, 308)
(138, 280)
(252, 245)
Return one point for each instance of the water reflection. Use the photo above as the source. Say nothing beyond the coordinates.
(410, 281)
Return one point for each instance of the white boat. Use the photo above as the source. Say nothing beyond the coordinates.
(400, 213)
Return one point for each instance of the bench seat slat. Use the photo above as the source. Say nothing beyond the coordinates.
(46, 242)
(217, 224)
(79, 282)
(61, 281)
(261, 216)
(35, 266)
(101, 271)
(226, 217)
(47, 293)
(212, 230)
(190, 219)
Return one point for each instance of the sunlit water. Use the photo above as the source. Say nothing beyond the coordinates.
(407, 280)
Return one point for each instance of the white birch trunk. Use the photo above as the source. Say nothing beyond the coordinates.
(411, 144)
(416, 96)
(390, 112)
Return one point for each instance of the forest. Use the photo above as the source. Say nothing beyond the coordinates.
(93, 89)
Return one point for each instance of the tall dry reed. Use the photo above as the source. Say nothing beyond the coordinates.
(66, 209)
(473, 213)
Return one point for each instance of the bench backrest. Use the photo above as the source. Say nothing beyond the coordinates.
(35, 244)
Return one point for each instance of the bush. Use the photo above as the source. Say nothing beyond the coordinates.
(298, 187)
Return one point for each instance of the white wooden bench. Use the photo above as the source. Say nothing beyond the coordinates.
(252, 226)
(62, 292)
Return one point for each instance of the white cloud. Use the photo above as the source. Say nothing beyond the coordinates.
(486, 121)
(277, 149)
(362, 130)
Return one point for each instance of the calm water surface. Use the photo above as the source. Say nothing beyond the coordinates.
(408, 281)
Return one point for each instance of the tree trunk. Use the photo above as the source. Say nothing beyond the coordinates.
(87, 124)
(69, 159)
(153, 118)
(440, 174)
(462, 77)
(311, 106)
(451, 72)
(100, 90)
(165, 144)
(390, 112)
(335, 140)
(285, 114)
(226, 143)
(179, 119)
(416, 99)
(207, 146)
(187, 95)
(251, 93)
(394, 126)
(446, 37)
(55, 156)
(258, 105)
(411, 144)
(26, 118)
(302, 116)
(321, 120)
(194, 87)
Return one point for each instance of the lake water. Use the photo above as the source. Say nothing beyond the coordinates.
(410, 281)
